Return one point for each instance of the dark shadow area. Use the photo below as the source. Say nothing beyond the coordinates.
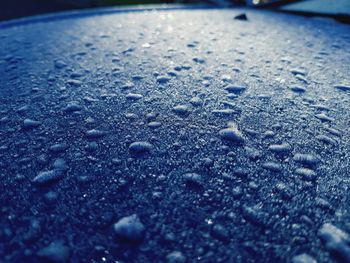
(21, 8)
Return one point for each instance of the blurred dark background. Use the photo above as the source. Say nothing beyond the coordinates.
(10, 9)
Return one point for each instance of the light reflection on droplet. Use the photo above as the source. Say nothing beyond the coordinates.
(209, 221)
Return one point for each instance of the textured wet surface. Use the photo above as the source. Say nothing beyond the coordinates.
(175, 135)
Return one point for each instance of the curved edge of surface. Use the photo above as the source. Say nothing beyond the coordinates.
(96, 12)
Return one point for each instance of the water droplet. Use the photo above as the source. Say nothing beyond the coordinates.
(192, 179)
(133, 96)
(323, 117)
(235, 89)
(307, 174)
(232, 134)
(272, 166)
(60, 64)
(94, 134)
(306, 159)
(326, 139)
(74, 83)
(130, 228)
(303, 258)
(73, 106)
(55, 252)
(162, 79)
(342, 87)
(181, 110)
(297, 71)
(140, 148)
(59, 147)
(297, 89)
(49, 176)
(30, 124)
(281, 149)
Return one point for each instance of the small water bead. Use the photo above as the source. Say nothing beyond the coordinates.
(252, 153)
(59, 64)
(133, 96)
(74, 83)
(192, 45)
(56, 252)
(272, 166)
(172, 73)
(232, 134)
(130, 228)
(23, 109)
(128, 85)
(342, 87)
(51, 197)
(323, 117)
(175, 257)
(181, 110)
(60, 164)
(76, 75)
(49, 176)
(321, 107)
(283, 148)
(140, 148)
(196, 102)
(235, 89)
(254, 215)
(199, 60)
(269, 134)
(303, 258)
(228, 103)
(306, 159)
(92, 146)
(224, 112)
(302, 79)
(146, 45)
(297, 89)
(59, 147)
(30, 124)
(336, 241)
(186, 67)
(192, 179)
(137, 77)
(326, 139)
(154, 124)
(163, 79)
(73, 106)
(298, 71)
(306, 174)
(334, 131)
(94, 134)
(220, 232)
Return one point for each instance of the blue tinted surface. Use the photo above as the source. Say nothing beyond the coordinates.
(166, 136)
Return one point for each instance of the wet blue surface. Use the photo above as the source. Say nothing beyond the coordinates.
(166, 136)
